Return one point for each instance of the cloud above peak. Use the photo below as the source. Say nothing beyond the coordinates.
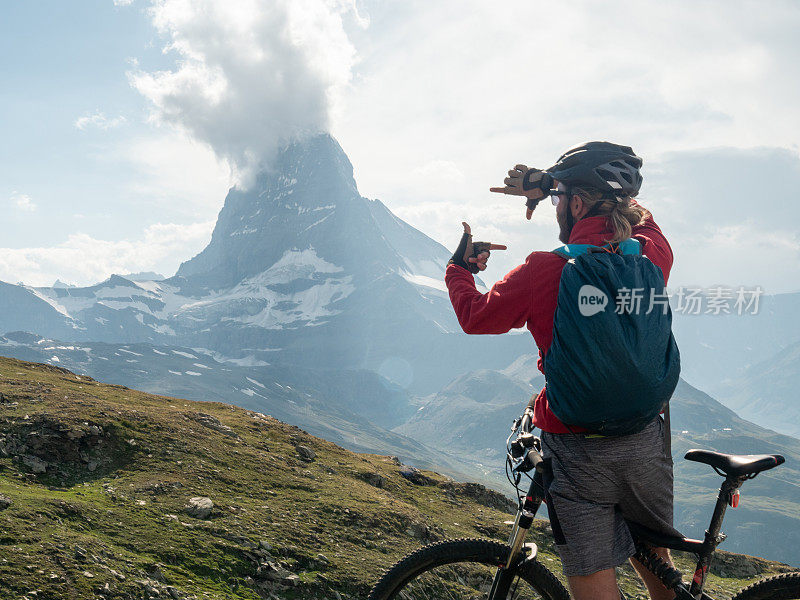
(249, 74)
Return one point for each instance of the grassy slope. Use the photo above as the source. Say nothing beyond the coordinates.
(71, 531)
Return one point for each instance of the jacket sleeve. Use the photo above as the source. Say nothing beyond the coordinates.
(506, 306)
(654, 245)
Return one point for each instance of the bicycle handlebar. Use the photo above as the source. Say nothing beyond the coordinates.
(525, 450)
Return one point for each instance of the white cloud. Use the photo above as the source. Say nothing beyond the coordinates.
(172, 168)
(484, 89)
(23, 202)
(249, 74)
(98, 120)
(84, 259)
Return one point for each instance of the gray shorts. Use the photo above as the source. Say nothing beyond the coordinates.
(598, 482)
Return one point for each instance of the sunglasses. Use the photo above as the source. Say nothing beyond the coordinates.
(555, 196)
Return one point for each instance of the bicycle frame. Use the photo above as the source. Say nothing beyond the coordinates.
(644, 538)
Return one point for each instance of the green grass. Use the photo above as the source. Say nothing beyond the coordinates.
(127, 517)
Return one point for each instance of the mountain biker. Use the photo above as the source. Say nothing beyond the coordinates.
(597, 481)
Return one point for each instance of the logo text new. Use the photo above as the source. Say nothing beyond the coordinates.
(591, 300)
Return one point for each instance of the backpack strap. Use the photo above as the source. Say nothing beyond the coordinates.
(629, 246)
(667, 433)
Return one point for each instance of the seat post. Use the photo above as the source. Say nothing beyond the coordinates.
(714, 537)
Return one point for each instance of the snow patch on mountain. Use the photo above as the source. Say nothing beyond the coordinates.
(296, 264)
(42, 295)
(422, 280)
(309, 306)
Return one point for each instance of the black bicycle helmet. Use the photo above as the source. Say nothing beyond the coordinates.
(610, 168)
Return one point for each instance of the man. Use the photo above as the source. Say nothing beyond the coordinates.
(597, 480)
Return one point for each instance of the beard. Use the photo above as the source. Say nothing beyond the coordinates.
(564, 228)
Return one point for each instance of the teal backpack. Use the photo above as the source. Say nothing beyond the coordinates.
(613, 363)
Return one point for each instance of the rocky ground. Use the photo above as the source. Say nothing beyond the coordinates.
(106, 492)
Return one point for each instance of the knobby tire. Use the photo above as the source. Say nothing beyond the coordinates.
(779, 587)
(458, 569)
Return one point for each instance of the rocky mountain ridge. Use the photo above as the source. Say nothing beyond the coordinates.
(301, 270)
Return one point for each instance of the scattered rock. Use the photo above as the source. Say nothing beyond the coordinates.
(199, 507)
(273, 571)
(418, 531)
(173, 593)
(76, 433)
(160, 487)
(480, 494)
(726, 564)
(212, 422)
(54, 444)
(5, 502)
(374, 479)
(105, 589)
(415, 476)
(265, 545)
(305, 453)
(292, 580)
(80, 553)
(88, 575)
(35, 464)
(150, 588)
(154, 573)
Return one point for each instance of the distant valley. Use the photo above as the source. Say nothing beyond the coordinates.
(323, 309)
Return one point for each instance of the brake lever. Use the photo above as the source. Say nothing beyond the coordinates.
(515, 425)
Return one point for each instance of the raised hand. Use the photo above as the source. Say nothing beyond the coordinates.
(473, 255)
(533, 184)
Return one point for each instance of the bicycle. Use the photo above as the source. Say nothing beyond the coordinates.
(478, 568)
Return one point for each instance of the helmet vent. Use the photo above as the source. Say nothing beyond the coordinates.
(602, 166)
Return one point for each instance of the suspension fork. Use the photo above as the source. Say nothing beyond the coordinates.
(523, 522)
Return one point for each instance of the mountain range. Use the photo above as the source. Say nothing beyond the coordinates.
(300, 270)
(322, 308)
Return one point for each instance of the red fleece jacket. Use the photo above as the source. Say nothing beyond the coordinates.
(527, 296)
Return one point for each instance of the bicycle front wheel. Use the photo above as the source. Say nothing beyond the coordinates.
(780, 587)
(464, 568)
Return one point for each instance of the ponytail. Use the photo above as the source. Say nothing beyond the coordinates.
(621, 215)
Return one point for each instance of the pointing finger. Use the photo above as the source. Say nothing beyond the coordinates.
(467, 228)
(500, 190)
(528, 214)
(497, 247)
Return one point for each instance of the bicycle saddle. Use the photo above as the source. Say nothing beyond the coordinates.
(736, 465)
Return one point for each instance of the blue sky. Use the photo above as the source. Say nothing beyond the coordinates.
(64, 62)
(118, 155)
